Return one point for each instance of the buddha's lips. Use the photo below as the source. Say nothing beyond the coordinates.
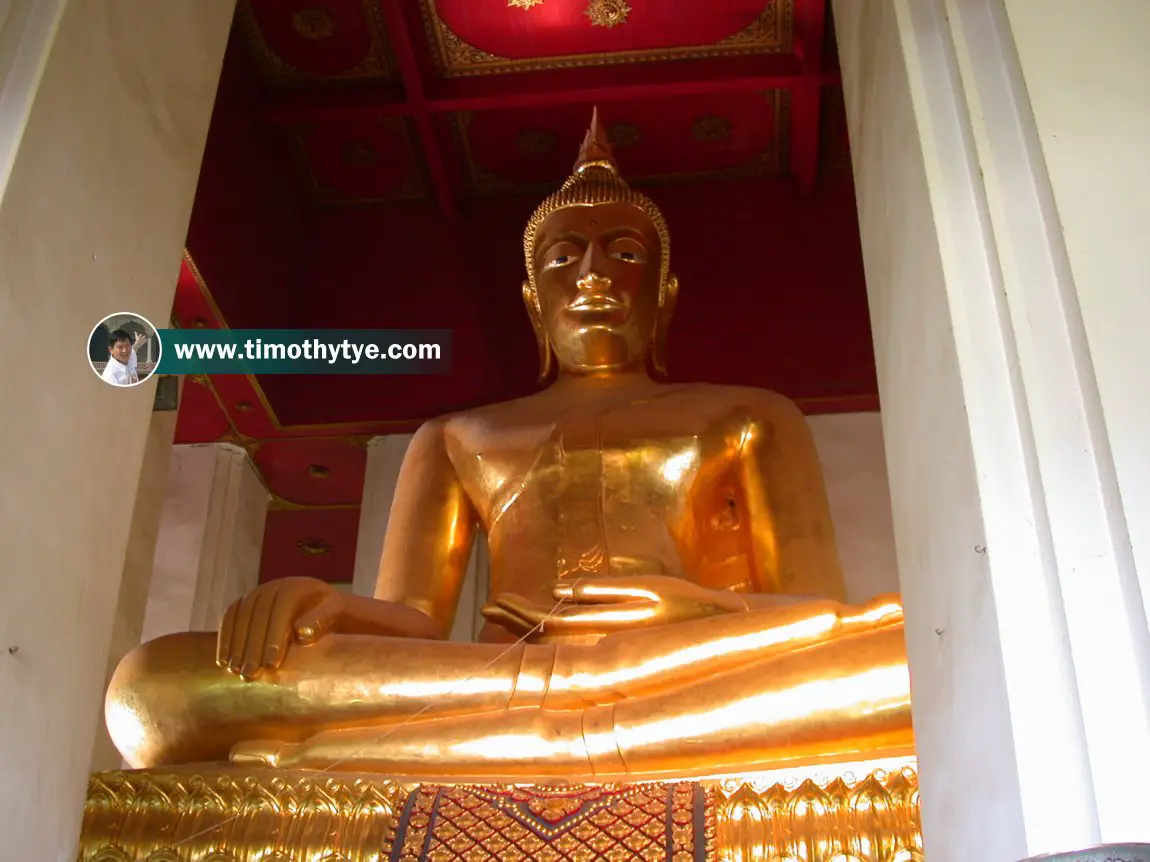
(594, 301)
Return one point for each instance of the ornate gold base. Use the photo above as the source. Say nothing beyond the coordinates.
(862, 811)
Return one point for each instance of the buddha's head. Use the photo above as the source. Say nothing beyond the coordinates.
(599, 292)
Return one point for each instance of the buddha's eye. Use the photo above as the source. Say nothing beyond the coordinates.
(558, 260)
(629, 250)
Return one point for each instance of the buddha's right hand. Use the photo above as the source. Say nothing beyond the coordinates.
(259, 629)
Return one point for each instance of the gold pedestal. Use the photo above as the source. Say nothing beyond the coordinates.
(859, 812)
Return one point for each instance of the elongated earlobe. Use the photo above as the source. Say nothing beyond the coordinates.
(535, 313)
(668, 294)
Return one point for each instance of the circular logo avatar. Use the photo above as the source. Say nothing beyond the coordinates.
(124, 349)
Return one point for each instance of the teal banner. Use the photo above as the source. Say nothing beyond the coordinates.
(304, 351)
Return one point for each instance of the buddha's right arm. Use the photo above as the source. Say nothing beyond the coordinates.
(429, 532)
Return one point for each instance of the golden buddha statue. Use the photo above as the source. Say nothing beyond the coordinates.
(666, 595)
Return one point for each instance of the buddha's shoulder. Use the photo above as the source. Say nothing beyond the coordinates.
(531, 413)
(758, 403)
(485, 417)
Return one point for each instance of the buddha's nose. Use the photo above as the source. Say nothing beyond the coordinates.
(593, 283)
(589, 279)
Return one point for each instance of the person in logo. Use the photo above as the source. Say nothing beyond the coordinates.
(121, 367)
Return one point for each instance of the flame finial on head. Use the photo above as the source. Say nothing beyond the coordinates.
(596, 148)
(596, 181)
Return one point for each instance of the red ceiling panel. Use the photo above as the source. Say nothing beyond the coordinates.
(317, 39)
(692, 137)
(201, 419)
(372, 160)
(310, 543)
(192, 307)
(321, 472)
(524, 35)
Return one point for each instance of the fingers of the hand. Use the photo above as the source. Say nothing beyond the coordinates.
(240, 628)
(523, 608)
(261, 752)
(599, 619)
(606, 591)
(281, 627)
(315, 623)
(502, 617)
(254, 648)
(224, 641)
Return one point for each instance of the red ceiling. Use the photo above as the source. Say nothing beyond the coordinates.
(371, 164)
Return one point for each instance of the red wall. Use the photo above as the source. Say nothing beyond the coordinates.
(772, 295)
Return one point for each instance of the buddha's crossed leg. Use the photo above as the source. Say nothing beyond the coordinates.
(366, 702)
(848, 696)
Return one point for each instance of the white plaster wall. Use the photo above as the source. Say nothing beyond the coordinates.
(210, 541)
(247, 543)
(92, 221)
(381, 473)
(850, 447)
(175, 568)
(1086, 70)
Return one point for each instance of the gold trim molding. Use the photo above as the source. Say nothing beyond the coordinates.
(226, 814)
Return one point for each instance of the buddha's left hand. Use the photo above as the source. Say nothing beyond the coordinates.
(603, 605)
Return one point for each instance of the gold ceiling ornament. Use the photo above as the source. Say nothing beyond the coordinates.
(711, 128)
(314, 547)
(607, 13)
(312, 24)
(536, 143)
(524, 4)
(622, 136)
(315, 25)
(775, 24)
(319, 471)
(358, 155)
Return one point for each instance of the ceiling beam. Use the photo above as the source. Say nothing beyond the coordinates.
(602, 85)
(400, 34)
(806, 96)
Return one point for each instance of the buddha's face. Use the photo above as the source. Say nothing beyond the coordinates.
(597, 274)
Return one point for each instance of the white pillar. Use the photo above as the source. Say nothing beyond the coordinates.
(128, 624)
(384, 459)
(1026, 629)
(93, 218)
(210, 539)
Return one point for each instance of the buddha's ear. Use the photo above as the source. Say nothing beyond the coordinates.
(668, 294)
(535, 313)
